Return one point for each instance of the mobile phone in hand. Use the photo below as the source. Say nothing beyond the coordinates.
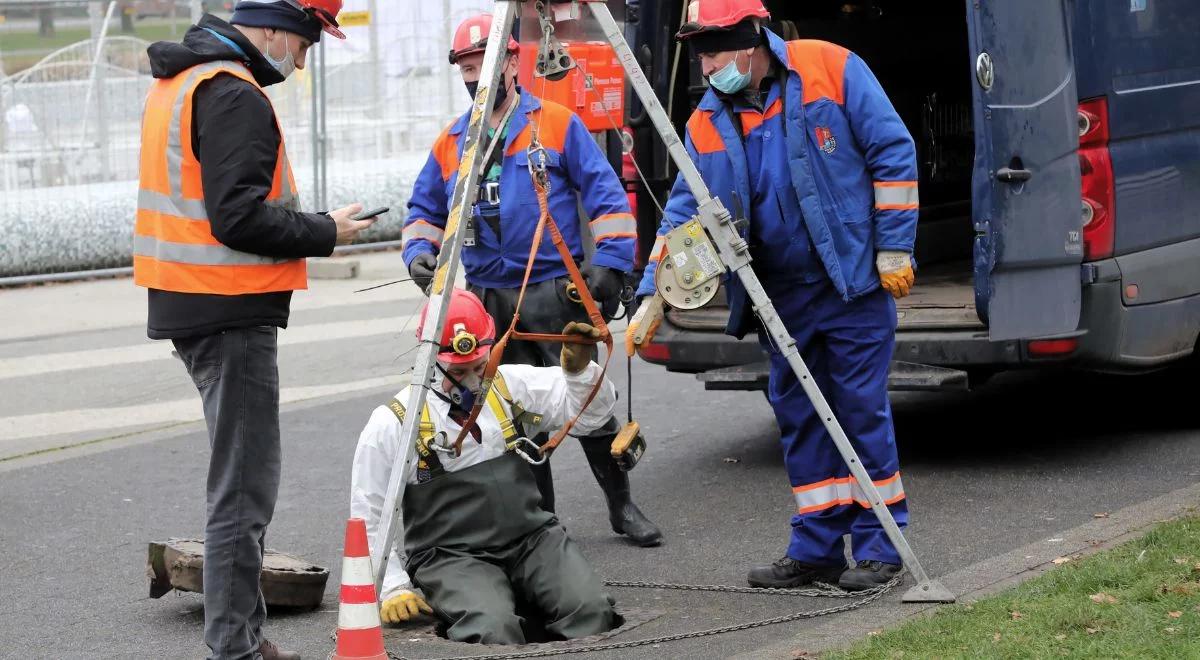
(365, 215)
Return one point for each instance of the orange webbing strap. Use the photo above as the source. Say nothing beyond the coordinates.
(541, 186)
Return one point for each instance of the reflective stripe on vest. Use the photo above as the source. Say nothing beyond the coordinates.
(173, 247)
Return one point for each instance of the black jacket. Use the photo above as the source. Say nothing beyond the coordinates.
(236, 141)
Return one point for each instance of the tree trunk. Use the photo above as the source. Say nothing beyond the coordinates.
(46, 22)
(126, 10)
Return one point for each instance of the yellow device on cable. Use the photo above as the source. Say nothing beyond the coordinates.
(689, 276)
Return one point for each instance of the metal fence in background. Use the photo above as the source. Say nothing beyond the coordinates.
(359, 120)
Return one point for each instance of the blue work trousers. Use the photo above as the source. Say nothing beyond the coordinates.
(847, 347)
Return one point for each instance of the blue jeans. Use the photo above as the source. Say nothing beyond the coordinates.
(238, 379)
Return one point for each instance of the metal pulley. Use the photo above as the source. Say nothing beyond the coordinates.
(553, 60)
(689, 276)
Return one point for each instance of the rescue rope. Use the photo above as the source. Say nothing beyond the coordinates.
(541, 184)
(865, 597)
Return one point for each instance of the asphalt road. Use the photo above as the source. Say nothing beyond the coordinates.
(987, 473)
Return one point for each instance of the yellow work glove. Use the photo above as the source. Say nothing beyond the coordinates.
(650, 312)
(895, 272)
(402, 607)
(574, 358)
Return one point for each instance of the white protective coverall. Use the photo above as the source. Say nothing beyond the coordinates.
(548, 391)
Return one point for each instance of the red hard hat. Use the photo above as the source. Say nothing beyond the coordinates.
(706, 15)
(325, 11)
(468, 332)
(471, 37)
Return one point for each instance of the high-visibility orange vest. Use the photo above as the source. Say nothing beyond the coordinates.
(173, 245)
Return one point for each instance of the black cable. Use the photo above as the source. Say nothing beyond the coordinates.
(629, 385)
(380, 286)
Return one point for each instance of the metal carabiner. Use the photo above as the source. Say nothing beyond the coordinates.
(515, 446)
(537, 165)
(441, 435)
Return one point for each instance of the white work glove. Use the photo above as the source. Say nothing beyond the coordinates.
(895, 272)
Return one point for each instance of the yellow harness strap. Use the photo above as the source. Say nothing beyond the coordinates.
(496, 399)
(519, 414)
(507, 427)
(426, 431)
(428, 460)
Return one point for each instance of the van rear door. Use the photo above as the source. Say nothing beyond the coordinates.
(1025, 191)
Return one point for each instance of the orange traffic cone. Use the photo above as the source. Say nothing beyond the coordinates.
(359, 635)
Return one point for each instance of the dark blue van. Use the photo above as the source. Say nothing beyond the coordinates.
(1059, 150)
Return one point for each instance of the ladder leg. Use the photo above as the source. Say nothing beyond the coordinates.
(466, 190)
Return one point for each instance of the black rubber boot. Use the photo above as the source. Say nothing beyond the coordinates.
(624, 515)
(544, 478)
(788, 573)
(868, 574)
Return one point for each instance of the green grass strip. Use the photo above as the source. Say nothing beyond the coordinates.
(1138, 600)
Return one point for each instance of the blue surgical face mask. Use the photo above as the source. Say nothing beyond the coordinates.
(285, 65)
(730, 80)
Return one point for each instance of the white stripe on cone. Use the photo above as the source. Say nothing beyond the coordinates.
(356, 572)
(358, 616)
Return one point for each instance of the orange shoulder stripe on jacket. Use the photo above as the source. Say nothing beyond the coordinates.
(822, 68)
(553, 121)
(704, 134)
(752, 120)
(445, 152)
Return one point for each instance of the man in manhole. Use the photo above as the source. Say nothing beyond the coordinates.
(494, 567)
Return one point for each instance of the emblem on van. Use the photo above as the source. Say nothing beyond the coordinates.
(826, 140)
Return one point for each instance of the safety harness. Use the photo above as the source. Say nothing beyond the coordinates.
(541, 186)
(511, 416)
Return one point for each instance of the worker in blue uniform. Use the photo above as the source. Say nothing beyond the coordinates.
(503, 225)
(802, 136)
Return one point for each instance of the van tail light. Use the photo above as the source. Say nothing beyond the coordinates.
(1099, 191)
(1052, 347)
(656, 353)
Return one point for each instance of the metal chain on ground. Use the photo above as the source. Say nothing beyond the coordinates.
(868, 596)
(823, 590)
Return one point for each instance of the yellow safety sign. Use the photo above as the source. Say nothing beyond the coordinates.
(354, 18)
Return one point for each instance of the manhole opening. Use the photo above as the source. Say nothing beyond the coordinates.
(628, 618)
(534, 628)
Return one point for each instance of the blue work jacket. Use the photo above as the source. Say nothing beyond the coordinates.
(580, 175)
(851, 163)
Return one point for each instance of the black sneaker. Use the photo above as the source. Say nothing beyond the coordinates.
(867, 575)
(787, 573)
